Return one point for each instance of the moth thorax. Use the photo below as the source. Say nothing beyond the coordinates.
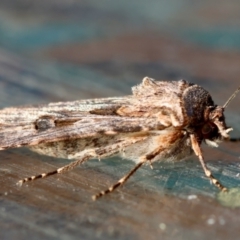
(195, 101)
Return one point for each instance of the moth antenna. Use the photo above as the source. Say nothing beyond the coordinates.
(231, 97)
(119, 182)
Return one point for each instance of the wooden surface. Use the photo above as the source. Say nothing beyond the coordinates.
(59, 51)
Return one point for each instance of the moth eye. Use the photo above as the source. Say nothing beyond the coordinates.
(221, 119)
(206, 129)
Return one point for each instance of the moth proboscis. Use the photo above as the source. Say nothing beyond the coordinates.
(160, 120)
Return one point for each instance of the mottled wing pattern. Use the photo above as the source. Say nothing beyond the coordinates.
(50, 123)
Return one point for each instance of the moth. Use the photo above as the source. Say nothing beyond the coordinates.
(160, 120)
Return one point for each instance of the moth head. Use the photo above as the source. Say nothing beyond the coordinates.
(214, 128)
(204, 117)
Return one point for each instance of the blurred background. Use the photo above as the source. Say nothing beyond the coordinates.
(70, 49)
(51, 48)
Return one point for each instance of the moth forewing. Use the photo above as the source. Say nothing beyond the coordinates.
(53, 129)
(161, 120)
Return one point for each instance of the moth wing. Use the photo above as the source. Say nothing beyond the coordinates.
(86, 126)
(20, 116)
(61, 121)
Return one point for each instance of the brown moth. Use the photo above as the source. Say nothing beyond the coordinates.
(160, 120)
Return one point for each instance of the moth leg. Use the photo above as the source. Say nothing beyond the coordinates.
(59, 170)
(196, 148)
(89, 154)
(121, 181)
(150, 164)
